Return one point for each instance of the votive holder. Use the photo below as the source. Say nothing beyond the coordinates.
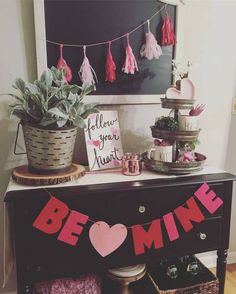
(131, 164)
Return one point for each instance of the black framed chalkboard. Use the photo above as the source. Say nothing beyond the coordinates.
(92, 21)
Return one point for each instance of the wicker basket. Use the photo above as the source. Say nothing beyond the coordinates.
(49, 150)
(204, 283)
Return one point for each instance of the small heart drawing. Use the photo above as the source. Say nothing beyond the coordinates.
(114, 130)
(187, 91)
(93, 142)
(106, 239)
(116, 163)
(96, 142)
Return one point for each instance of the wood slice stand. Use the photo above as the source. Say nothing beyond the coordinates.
(22, 175)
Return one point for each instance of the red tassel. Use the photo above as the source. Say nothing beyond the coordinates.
(168, 34)
(110, 67)
(62, 64)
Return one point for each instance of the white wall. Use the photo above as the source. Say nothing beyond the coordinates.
(209, 43)
(17, 59)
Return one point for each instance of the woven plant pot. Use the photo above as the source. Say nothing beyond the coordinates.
(49, 150)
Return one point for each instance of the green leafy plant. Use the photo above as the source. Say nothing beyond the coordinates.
(51, 102)
(191, 145)
(166, 123)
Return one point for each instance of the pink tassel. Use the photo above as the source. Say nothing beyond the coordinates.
(86, 72)
(110, 67)
(62, 64)
(150, 49)
(130, 64)
(168, 34)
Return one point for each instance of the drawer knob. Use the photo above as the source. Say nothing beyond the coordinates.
(203, 236)
(142, 209)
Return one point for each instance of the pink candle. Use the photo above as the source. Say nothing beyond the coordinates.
(131, 164)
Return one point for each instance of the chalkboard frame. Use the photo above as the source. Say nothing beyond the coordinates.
(41, 54)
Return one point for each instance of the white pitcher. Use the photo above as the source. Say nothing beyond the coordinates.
(160, 153)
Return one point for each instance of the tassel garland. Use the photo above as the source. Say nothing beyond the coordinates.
(168, 34)
(150, 49)
(62, 64)
(86, 72)
(110, 67)
(130, 64)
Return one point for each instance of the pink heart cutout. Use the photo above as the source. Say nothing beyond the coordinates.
(106, 239)
(187, 91)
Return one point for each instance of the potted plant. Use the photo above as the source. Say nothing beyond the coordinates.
(167, 123)
(165, 127)
(50, 111)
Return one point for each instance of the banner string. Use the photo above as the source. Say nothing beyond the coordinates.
(112, 40)
(128, 227)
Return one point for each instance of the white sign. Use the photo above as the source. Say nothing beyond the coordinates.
(103, 140)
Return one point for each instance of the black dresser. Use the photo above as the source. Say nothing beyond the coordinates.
(40, 256)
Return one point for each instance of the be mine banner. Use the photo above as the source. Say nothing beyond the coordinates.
(57, 218)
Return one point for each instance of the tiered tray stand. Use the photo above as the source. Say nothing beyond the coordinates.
(176, 136)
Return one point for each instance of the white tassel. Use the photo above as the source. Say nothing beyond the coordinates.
(150, 49)
(130, 64)
(86, 72)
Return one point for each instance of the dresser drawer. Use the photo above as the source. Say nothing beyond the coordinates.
(138, 207)
(205, 236)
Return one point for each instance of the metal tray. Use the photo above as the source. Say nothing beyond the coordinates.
(177, 103)
(174, 135)
(177, 168)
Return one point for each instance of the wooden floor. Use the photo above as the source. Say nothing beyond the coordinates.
(230, 282)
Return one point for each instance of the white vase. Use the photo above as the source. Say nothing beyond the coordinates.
(188, 123)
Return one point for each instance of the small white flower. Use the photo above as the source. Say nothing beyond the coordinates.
(181, 69)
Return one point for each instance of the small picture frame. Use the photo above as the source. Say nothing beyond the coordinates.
(103, 140)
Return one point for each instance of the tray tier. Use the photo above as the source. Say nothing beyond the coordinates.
(177, 168)
(177, 103)
(175, 135)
